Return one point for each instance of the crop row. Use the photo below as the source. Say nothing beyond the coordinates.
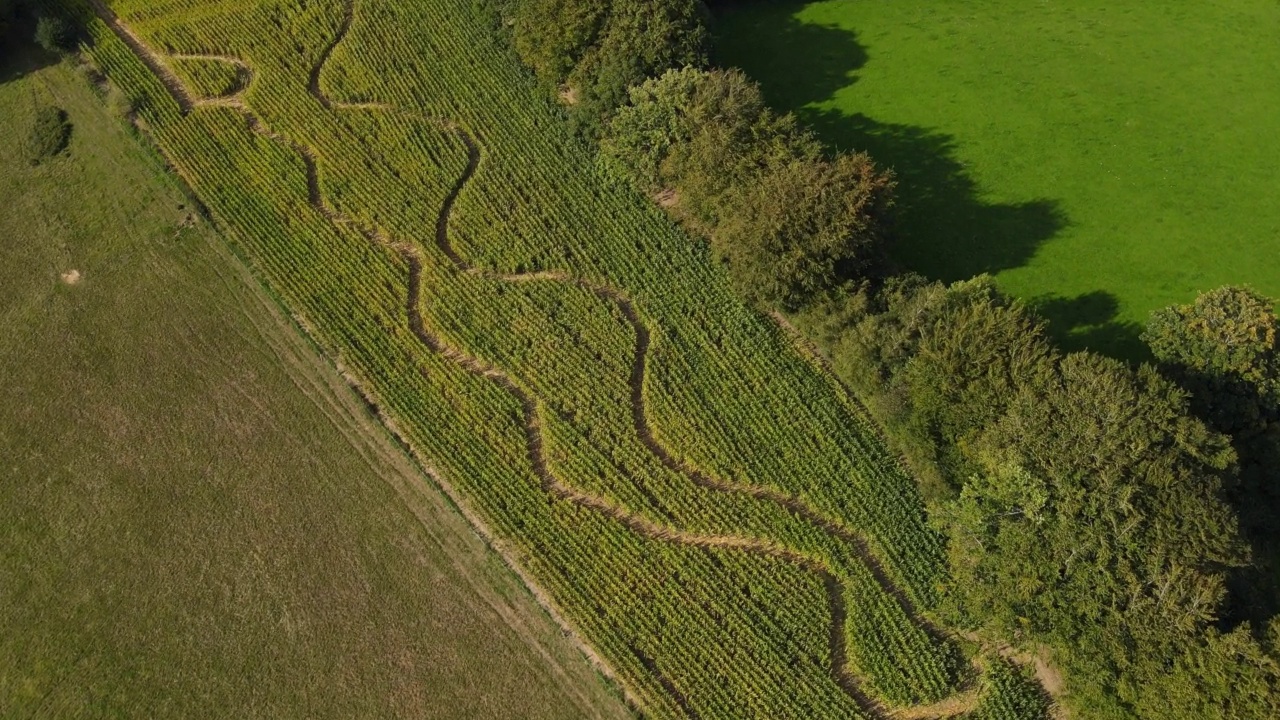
(696, 630)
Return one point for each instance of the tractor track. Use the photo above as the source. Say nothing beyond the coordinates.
(530, 406)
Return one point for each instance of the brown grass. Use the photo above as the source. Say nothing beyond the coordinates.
(198, 518)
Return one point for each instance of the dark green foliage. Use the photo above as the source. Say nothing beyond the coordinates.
(1227, 677)
(1225, 350)
(701, 134)
(803, 227)
(789, 222)
(641, 38)
(1091, 512)
(55, 34)
(938, 363)
(1008, 694)
(553, 35)
(1095, 522)
(599, 49)
(50, 134)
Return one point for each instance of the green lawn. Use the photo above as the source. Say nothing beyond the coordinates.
(1102, 159)
(197, 516)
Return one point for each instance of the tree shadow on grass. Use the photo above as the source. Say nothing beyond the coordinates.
(945, 228)
(1089, 322)
(796, 63)
(19, 55)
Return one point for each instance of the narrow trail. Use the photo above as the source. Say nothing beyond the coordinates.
(244, 74)
(530, 406)
(186, 101)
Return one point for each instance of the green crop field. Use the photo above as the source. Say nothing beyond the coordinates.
(688, 485)
(198, 517)
(1101, 159)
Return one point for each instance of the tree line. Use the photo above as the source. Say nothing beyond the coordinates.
(1120, 515)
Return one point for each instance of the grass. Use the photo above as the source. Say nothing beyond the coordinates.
(1101, 161)
(197, 516)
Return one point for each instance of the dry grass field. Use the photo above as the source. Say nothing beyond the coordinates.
(198, 518)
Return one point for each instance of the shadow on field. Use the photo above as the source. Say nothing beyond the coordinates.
(946, 230)
(19, 56)
(796, 63)
(1088, 322)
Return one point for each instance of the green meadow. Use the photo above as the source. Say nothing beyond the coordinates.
(1100, 159)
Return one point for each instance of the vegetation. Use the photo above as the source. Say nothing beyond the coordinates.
(1102, 171)
(599, 49)
(1222, 349)
(50, 132)
(789, 222)
(1085, 505)
(54, 33)
(198, 517)
(1010, 695)
(572, 365)
(584, 376)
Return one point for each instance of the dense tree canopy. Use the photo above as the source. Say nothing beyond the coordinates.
(1224, 348)
(1084, 502)
(601, 48)
(803, 227)
(790, 222)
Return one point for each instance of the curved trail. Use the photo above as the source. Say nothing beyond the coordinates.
(530, 406)
(244, 74)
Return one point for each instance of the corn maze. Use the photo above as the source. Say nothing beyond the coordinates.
(696, 499)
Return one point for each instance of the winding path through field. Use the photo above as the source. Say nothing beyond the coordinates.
(531, 407)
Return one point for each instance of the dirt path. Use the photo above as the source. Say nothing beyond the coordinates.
(244, 72)
(186, 102)
(532, 408)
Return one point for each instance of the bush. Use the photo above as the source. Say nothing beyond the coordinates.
(599, 49)
(1224, 349)
(55, 34)
(50, 134)
(803, 227)
(789, 222)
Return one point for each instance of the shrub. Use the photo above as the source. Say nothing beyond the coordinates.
(803, 227)
(55, 34)
(789, 222)
(50, 134)
(600, 49)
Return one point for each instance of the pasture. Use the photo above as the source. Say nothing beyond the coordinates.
(1100, 160)
(198, 517)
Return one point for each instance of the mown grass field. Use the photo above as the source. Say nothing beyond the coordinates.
(1102, 160)
(693, 490)
(198, 518)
